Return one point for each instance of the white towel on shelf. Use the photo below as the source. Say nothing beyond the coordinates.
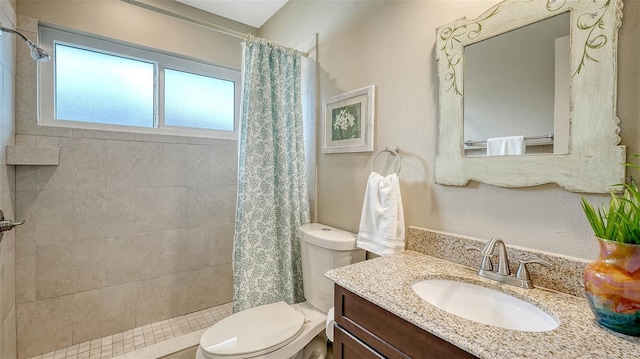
(501, 146)
(382, 220)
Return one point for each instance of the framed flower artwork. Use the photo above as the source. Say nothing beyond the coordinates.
(348, 121)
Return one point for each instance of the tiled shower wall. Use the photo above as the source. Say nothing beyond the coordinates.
(7, 184)
(127, 230)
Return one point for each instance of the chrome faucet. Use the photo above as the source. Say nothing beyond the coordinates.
(503, 274)
(503, 259)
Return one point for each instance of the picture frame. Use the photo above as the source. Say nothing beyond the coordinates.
(348, 121)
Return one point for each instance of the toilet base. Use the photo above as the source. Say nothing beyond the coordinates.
(316, 349)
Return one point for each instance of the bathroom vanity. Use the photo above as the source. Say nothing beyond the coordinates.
(378, 315)
(364, 330)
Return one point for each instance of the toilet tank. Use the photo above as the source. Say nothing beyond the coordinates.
(324, 248)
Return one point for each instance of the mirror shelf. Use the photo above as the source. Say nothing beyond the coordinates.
(595, 159)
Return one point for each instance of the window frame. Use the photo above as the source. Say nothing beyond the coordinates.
(50, 36)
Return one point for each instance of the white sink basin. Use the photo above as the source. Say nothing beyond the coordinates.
(484, 305)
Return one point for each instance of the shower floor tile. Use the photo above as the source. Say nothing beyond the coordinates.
(141, 337)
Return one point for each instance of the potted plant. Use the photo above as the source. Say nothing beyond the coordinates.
(612, 281)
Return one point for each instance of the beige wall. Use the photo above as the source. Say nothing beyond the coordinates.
(7, 183)
(121, 21)
(390, 44)
(128, 229)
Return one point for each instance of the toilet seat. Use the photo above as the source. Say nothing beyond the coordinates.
(253, 332)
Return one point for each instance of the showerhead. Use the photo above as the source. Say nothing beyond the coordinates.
(37, 53)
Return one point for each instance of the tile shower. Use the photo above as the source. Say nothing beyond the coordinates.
(127, 230)
(136, 339)
(100, 253)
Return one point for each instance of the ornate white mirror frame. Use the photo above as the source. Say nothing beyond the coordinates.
(595, 160)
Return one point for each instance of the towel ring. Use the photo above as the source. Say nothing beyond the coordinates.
(393, 150)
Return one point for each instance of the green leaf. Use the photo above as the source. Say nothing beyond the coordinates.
(621, 220)
(595, 220)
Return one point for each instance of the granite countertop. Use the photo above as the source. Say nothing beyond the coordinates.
(386, 282)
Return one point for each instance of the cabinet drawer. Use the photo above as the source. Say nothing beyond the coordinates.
(346, 346)
(388, 334)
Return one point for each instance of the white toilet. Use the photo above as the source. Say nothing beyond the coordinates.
(280, 330)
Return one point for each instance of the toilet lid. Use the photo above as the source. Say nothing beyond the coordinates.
(253, 330)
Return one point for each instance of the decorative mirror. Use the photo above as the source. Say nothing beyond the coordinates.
(528, 96)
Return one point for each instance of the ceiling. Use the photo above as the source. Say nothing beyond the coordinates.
(251, 12)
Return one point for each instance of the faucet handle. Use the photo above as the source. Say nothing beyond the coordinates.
(486, 260)
(523, 273)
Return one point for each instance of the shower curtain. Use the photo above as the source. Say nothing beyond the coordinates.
(272, 191)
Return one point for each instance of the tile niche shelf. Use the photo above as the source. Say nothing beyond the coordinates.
(32, 155)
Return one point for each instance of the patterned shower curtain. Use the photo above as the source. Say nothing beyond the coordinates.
(272, 190)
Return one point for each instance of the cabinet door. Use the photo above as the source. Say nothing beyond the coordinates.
(388, 334)
(347, 346)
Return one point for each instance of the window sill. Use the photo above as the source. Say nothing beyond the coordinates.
(142, 132)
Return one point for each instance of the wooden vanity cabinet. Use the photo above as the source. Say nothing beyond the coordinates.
(363, 330)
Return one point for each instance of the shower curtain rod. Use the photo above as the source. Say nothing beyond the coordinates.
(208, 25)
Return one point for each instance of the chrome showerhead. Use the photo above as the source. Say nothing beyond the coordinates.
(37, 53)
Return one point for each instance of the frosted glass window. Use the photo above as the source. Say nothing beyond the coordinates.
(198, 101)
(98, 84)
(96, 87)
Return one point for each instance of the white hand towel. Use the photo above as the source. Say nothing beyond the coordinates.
(382, 220)
(501, 146)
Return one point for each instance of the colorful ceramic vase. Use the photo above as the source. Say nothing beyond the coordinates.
(612, 285)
